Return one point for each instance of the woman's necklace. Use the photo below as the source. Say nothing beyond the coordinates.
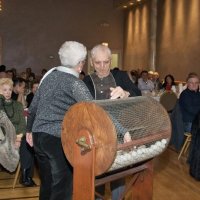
(11, 114)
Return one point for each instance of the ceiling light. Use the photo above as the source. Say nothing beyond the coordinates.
(105, 44)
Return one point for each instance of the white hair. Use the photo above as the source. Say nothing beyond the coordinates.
(71, 53)
(100, 47)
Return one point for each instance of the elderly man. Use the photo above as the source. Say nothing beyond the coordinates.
(59, 89)
(106, 83)
(190, 101)
(109, 84)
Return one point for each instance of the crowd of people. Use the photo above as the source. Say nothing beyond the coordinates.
(61, 87)
(15, 98)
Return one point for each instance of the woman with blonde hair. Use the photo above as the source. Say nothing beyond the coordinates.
(12, 110)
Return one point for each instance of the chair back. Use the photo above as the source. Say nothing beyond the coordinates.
(168, 100)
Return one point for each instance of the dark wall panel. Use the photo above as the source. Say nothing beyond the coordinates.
(33, 30)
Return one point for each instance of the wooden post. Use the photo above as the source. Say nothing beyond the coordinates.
(84, 178)
(143, 187)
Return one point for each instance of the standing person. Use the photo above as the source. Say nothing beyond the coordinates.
(190, 101)
(109, 84)
(106, 83)
(59, 89)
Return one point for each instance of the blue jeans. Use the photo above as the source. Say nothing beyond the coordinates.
(55, 170)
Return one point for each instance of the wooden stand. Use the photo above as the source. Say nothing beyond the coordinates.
(90, 144)
(84, 176)
(141, 182)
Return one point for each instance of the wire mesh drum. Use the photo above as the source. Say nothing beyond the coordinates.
(108, 121)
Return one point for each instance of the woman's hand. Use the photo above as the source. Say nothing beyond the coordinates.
(29, 139)
(18, 140)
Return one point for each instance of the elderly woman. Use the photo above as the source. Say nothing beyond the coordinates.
(58, 90)
(14, 112)
(13, 109)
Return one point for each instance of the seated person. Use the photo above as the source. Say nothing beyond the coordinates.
(190, 101)
(150, 75)
(30, 96)
(9, 143)
(168, 82)
(133, 75)
(9, 74)
(15, 112)
(30, 74)
(3, 71)
(156, 81)
(145, 84)
(13, 109)
(18, 93)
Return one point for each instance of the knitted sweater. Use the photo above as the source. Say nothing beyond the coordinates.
(58, 91)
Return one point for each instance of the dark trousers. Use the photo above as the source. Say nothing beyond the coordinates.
(27, 156)
(55, 170)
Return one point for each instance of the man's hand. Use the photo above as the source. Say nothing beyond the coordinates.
(118, 92)
(127, 137)
(29, 139)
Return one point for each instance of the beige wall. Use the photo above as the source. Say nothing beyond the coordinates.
(136, 37)
(178, 42)
(178, 37)
(33, 30)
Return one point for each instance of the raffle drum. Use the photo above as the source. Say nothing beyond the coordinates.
(93, 142)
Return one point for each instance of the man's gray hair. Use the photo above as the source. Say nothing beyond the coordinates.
(100, 47)
(71, 53)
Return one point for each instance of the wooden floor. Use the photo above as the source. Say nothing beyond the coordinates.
(171, 182)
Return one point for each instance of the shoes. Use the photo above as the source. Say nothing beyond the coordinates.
(26, 180)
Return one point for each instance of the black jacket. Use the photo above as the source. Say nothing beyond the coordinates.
(121, 79)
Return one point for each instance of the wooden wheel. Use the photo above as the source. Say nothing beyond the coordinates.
(89, 117)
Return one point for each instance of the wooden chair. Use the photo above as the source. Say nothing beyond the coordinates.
(16, 175)
(186, 144)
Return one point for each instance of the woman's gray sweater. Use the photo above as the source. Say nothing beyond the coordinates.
(58, 91)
